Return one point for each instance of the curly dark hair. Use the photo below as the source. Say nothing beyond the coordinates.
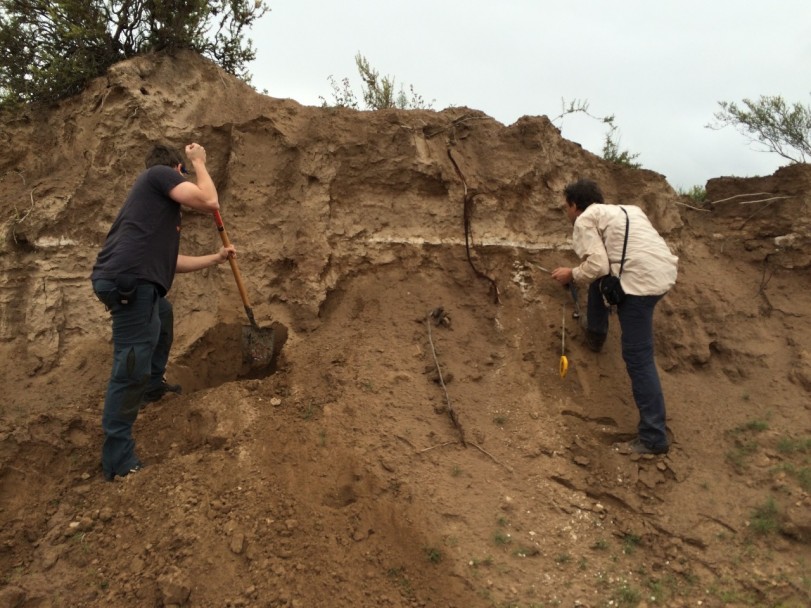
(583, 193)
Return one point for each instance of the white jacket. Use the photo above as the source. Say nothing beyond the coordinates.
(650, 268)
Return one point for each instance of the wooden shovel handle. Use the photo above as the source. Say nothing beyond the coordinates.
(234, 266)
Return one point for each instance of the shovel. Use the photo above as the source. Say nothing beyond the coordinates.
(260, 345)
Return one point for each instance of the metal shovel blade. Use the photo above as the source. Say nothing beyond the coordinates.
(261, 345)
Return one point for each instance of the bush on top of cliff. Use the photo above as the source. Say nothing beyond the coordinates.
(53, 48)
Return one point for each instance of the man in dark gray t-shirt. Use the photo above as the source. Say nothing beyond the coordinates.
(132, 275)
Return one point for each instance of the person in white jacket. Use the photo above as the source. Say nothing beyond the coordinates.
(648, 272)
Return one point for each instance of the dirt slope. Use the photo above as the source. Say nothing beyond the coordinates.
(357, 475)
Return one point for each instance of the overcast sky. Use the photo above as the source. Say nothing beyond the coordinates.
(660, 67)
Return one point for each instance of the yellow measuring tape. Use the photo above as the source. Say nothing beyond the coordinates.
(564, 362)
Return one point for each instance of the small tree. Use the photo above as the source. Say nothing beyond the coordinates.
(611, 146)
(770, 121)
(611, 143)
(378, 92)
(52, 48)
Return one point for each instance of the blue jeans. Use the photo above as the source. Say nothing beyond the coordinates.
(636, 323)
(142, 339)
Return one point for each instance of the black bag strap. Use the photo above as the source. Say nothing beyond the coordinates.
(625, 243)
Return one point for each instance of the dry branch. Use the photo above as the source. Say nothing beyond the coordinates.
(451, 411)
(723, 200)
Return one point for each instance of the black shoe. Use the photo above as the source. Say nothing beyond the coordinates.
(595, 340)
(155, 394)
(636, 446)
(112, 476)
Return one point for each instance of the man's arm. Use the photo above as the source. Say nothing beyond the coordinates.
(190, 263)
(589, 247)
(202, 195)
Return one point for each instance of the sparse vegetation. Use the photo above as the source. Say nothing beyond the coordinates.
(744, 443)
(765, 518)
(789, 445)
(525, 551)
(755, 426)
(563, 558)
(378, 92)
(398, 575)
(728, 592)
(801, 473)
(434, 555)
(611, 147)
(663, 590)
(697, 194)
(626, 595)
(502, 538)
(309, 409)
(739, 454)
(629, 543)
(487, 561)
(777, 125)
(611, 143)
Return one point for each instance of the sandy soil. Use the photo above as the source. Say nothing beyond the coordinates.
(357, 474)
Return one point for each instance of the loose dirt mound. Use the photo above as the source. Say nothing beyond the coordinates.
(400, 456)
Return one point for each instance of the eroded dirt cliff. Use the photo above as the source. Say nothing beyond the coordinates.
(342, 479)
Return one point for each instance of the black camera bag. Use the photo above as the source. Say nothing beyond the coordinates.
(610, 286)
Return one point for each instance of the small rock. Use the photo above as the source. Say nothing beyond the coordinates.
(85, 524)
(238, 543)
(50, 555)
(137, 565)
(174, 588)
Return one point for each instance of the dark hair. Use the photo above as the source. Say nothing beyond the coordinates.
(583, 193)
(163, 155)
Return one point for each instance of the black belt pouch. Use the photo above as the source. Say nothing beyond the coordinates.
(126, 285)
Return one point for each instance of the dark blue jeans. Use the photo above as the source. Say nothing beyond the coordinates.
(636, 324)
(142, 339)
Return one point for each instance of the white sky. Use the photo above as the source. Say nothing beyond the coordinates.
(660, 67)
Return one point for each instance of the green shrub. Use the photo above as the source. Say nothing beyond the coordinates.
(51, 49)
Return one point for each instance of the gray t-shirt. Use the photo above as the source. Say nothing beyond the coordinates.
(144, 239)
